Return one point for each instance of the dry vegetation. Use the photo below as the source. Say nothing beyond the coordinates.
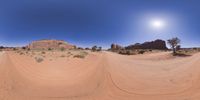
(39, 59)
(137, 51)
(41, 55)
(82, 54)
(187, 52)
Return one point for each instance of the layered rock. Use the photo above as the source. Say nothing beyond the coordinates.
(50, 44)
(157, 44)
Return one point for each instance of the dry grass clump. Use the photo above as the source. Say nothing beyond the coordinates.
(81, 55)
(179, 54)
(43, 52)
(132, 52)
(39, 59)
(21, 53)
(184, 53)
(127, 52)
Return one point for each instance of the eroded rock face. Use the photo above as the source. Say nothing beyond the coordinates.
(157, 44)
(50, 44)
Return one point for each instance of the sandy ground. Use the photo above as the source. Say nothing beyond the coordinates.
(100, 76)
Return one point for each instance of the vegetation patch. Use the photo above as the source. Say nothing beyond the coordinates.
(179, 54)
(127, 52)
(141, 51)
(81, 55)
(39, 59)
(43, 52)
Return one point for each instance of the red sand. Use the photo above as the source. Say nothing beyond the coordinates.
(100, 76)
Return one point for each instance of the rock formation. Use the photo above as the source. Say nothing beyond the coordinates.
(157, 44)
(50, 44)
(116, 47)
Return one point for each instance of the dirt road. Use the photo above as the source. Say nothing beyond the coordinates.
(100, 76)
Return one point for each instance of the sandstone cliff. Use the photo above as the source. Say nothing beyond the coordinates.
(50, 44)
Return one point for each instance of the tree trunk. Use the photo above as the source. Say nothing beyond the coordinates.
(174, 50)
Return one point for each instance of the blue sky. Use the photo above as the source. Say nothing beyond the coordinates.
(98, 22)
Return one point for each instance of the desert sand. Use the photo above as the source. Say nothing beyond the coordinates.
(100, 76)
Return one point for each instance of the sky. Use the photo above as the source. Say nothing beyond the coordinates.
(99, 22)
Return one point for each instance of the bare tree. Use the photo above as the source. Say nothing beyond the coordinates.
(174, 42)
(94, 48)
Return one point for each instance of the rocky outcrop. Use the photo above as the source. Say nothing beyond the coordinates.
(116, 47)
(50, 44)
(157, 44)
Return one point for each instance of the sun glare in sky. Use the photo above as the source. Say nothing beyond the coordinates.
(157, 24)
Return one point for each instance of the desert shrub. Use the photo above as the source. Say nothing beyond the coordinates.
(122, 52)
(141, 52)
(62, 49)
(99, 49)
(150, 50)
(130, 52)
(14, 49)
(194, 48)
(181, 54)
(49, 49)
(94, 48)
(87, 48)
(39, 59)
(24, 48)
(80, 48)
(126, 52)
(21, 53)
(81, 55)
(84, 53)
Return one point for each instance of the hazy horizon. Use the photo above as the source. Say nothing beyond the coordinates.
(87, 23)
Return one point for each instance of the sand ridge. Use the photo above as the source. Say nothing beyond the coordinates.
(100, 76)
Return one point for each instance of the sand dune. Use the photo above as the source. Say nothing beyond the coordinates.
(100, 76)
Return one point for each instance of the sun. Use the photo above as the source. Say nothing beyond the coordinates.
(157, 24)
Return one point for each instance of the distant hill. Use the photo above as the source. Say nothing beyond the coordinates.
(157, 44)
